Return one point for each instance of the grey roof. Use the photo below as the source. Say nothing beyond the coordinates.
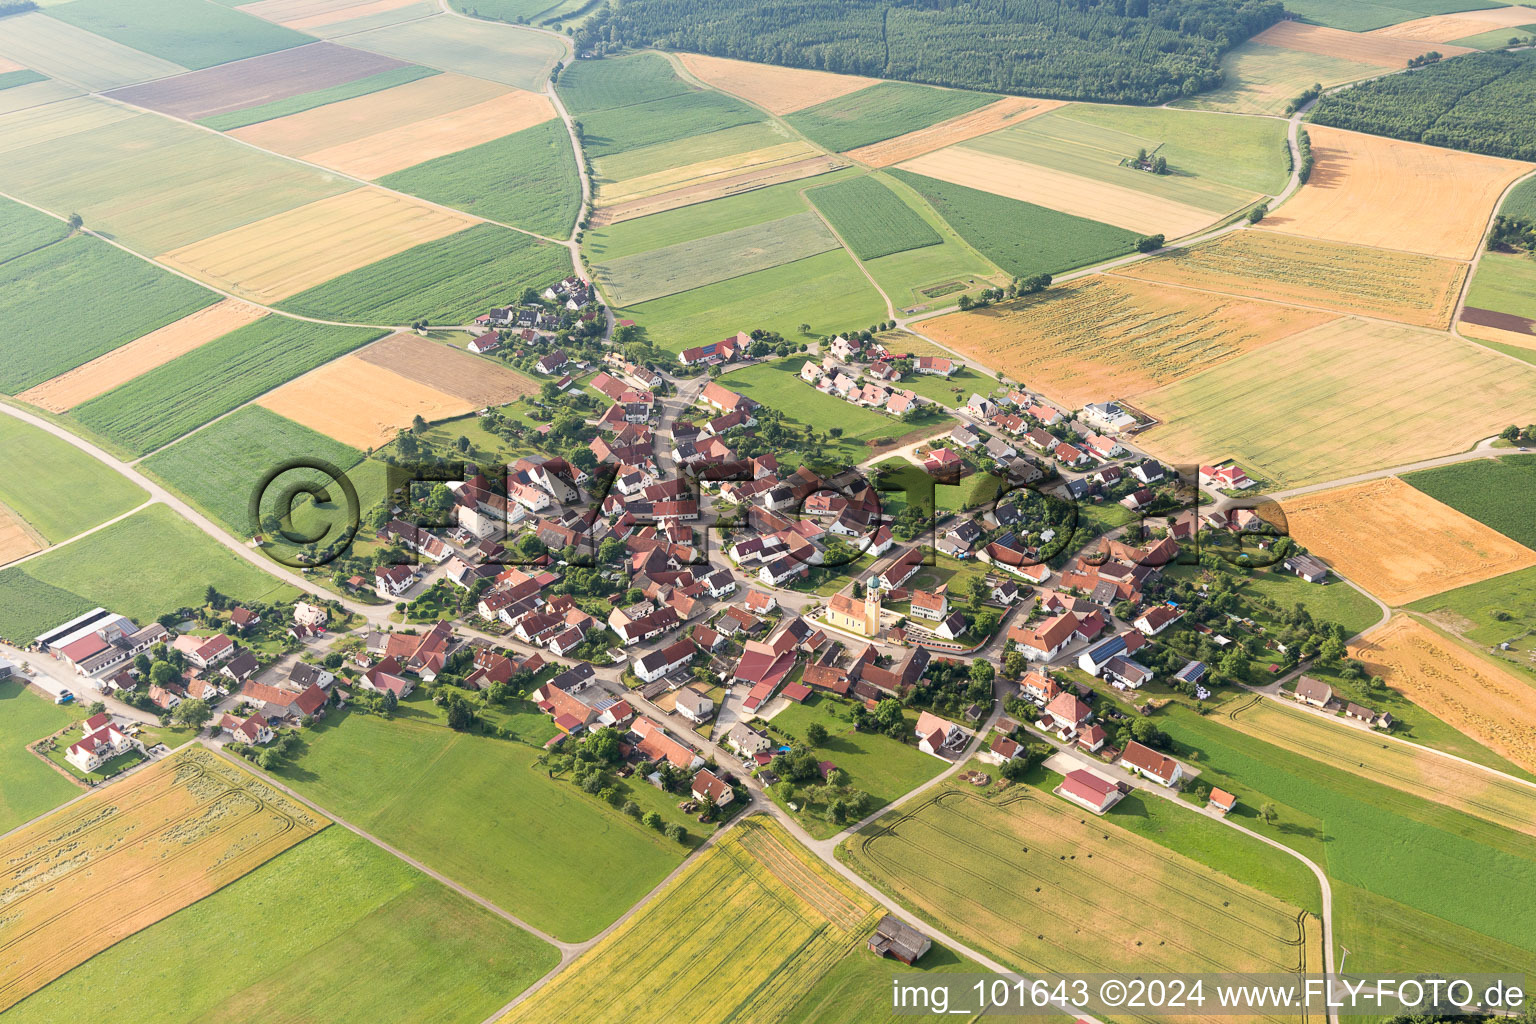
(895, 934)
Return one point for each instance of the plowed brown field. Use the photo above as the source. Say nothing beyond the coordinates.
(775, 89)
(16, 540)
(452, 370)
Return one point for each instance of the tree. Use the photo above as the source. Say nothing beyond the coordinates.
(1510, 433)
(96, 708)
(652, 820)
(978, 589)
(162, 673)
(677, 833)
(76, 222)
(816, 734)
(805, 328)
(1257, 213)
(631, 808)
(418, 425)
(982, 673)
(390, 702)
(193, 712)
(1269, 813)
(1015, 664)
(1160, 165)
(1149, 243)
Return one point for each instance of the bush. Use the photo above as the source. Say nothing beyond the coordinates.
(653, 820)
(677, 832)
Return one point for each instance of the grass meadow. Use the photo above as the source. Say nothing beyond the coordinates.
(478, 810)
(1019, 237)
(526, 179)
(318, 98)
(591, 85)
(1261, 79)
(872, 220)
(1505, 283)
(149, 564)
(448, 281)
(778, 386)
(28, 787)
(40, 293)
(57, 488)
(159, 406)
(346, 931)
(192, 33)
(881, 112)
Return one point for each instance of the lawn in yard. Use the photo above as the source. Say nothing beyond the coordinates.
(28, 787)
(883, 767)
(345, 930)
(952, 391)
(57, 488)
(1334, 601)
(778, 386)
(485, 814)
(102, 772)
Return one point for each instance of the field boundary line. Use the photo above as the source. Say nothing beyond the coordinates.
(92, 790)
(890, 308)
(81, 536)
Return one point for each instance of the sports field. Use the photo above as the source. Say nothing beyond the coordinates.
(1506, 284)
(28, 787)
(1343, 398)
(406, 945)
(1021, 238)
(218, 468)
(1009, 110)
(157, 842)
(871, 219)
(151, 183)
(59, 490)
(1466, 788)
(1488, 703)
(526, 179)
(500, 53)
(1492, 491)
(156, 348)
(1103, 337)
(1367, 190)
(42, 289)
(778, 90)
(450, 369)
(1261, 79)
(156, 408)
(1398, 542)
(882, 111)
(449, 280)
(122, 568)
(491, 818)
(694, 264)
(754, 923)
(60, 50)
(1412, 289)
(1045, 886)
(825, 291)
(280, 256)
(192, 33)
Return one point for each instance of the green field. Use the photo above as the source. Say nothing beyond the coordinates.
(448, 281)
(883, 767)
(697, 112)
(631, 280)
(345, 931)
(73, 55)
(881, 112)
(485, 815)
(872, 219)
(1245, 153)
(1365, 15)
(159, 406)
(663, 156)
(1521, 201)
(933, 274)
(514, 11)
(1424, 855)
(26, 76)
(589, 85)
(1334, 601)
(192, 33)
(28, 787)
(483, 49)
(1505, 283)
(1498, 38)
(1479, 606)
(151, 563)
(825, 291)
(41, 292)
(1495, 492)
(58, 489)
(319, 98)
(23, 229)
(1261, 79)
(216, 469)
(1019, 237)
(856, 990)
(526, 179)
(778, 386)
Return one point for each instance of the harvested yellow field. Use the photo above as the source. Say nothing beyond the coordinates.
(1439, 28)
(688, 195)
(104, 373)
(9, 65)
(1399, 543)
(1461, 689)
(284, 254)
(701, 173)
(1106, 337)
(1401, 286)
(1058, 190)
(16, 539)
(1005, 112)
(303, 15)
(1367, 190)
(448, 369)
(359, 403)
(1497, 335)
(398, 148)
(335, 124)
(775, 89)
(118, 861)
(1366, 47)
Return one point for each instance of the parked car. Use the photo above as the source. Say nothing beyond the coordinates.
(64, 697)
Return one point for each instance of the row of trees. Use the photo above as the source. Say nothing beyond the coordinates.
(1136, 51)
